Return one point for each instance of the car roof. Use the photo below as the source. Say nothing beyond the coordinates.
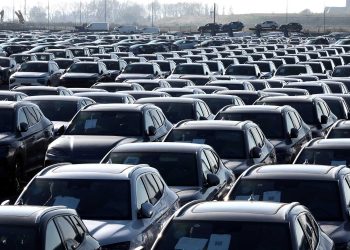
(237, 210)
(304, 98)
(9, 104)
(210, 96)
(171, 147)
(108, 94)
(36, 88)
(342, 143)
(89, 171)
(54, 98)
(295, 171)
(255, 109)
(166, 100)
(115, 107)
(213, 124)
(343, 124)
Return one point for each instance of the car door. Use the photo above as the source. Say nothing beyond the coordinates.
(149, 126)
(264, 158)
(208, 193)
(160, 125)
(52, 237)
(301, 140)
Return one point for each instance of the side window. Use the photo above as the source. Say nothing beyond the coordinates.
(38, 113)
(251, 141)
(199, 111)
(161, 117)
(22, 118)
(205, 165)
(319, 111)
(324, 108)
(302, 241)
(156, 118)
(78, 224)
(346, 187)
(308, 230)
(204, 109)
(71, 237)
(289, 122)
(141, 194)
(31, 115)
(159, 182)
(148, 120)
(52, 237)
(295, 119)
(213, 160)
(151, 187)
(257, 137)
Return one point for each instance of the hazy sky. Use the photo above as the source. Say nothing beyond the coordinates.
(238, 6)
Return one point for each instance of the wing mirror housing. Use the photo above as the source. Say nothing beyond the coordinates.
(146, 211)
(255, 152)
(213, 180)
(151, 131)
(324, 119)
(23, 127)
(294, 133)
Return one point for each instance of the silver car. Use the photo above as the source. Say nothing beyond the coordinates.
(123, 206)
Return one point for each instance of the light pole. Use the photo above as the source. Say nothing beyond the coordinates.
(80, 10)
(105, 10)
(48, 14)
(287, 11)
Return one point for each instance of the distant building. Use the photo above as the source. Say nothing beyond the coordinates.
(339, 10)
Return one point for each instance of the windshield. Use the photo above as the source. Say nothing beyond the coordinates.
(92, 199)
(57, 110)
(164, 66)
(341, 72)
(271, 124)
(22, 58)
(228, 144)
(264, 67)
(334, 156)
(176, 111)
(18, 237)
(216, 104)
(59, 54)
(7, 120)
(83, 68)
(339, 133)
(337, 108)
(78, 52)
(189, 69)
(34, 67)
(111, 65)
(295, 70)
(213, 66)
(107, 99)
(166, 163)
(305, 109)
(64, 64)
(114, 123)
(139, 69)
(241, 70)
(230, 235)
(312, 89)
(4, 62)
(325, 207)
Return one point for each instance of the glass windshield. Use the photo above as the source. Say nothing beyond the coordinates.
(285, 71)
(312, 89)
(106, 123)
(34, 67)
(22, 58)
(43, 57)
(7, 120)
(107, 99)
(213, 66)
(339, 133)
(332, 156)
(185, 174)
(341, 72)
(189, 69)
(216, 104)
(7, 98)
(37, 92)
(271, 124)
(228, 144)
(264, 67)
(241, 70)
(18, 237)
(111, 65)
(59, 54)
(138, 69)
(4, 62)
(64, 64)
(92, 199)
(325, 207)
(83, 68)
(230, 235)
(78, 52)
(164, 66)
(337, 108)
(176, 111)
(57, 110)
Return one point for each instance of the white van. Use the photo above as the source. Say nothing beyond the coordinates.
(127, 29)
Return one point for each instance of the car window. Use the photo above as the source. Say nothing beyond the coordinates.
(251, 141)
(289, 122)
(302, 242)
(308, 230)
(213, 160)
(52, 238)
(156, 118)
(324, 108)
(257, 137)
(295, 119)
(205, 165)
(346, 186)
(71, 237)
(78, 224)
(148, 120)
(199, 111)
(319, 111)
(161, 117)
(22, 118)
(152, 188)
(31, 115)
(204, 109)
(141, 194)
(311, 221)
(159, 182)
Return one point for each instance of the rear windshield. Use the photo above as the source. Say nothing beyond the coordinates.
(334, 156)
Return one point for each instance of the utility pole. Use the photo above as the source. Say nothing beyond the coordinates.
(13, 10)
(324, 20)
(152, 13)
(214, 13)
(80, 10)
(48, 14)
(287, 11)
(105, 10)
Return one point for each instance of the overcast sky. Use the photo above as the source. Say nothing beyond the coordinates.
(238, 6)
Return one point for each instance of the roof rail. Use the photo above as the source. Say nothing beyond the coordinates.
(48, 168)
(182, 122)
(182, 210)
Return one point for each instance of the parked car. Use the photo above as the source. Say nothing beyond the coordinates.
(42, 90)
(200, 176)
(7, 95)
(231, 225)
(340, 129)
(122, 206)
(8, 66)
(140, 70)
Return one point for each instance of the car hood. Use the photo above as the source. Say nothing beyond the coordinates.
(186, 194)
(5, 137)
(239, 77)
(338, 231)
(30, 74)
(110, 232)
(80, 75)
(86, 148)
(135, 76)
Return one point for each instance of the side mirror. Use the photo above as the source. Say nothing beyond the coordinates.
(60, 131)
(5, 203)
(294, 133)
(23, 127)
(324, 119)
(151, 131)
(213, 180)
(51, 72)
(101, 72)
(12, 66)
(255, 152)
(146, 210)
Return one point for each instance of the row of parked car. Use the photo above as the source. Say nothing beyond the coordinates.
(207, 153)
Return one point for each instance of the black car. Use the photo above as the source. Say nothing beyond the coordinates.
(213, 28)
(292, 27)
(114, 67)
(230, 226)
(288, 91)
(84, 74)
(248, 97)
(25, 135)
(151, 84)
(98, 128)
(208, 89)
(233, 84)
(232, 26)
(177, 109)
(43, 228)
(312, 87)
(282, 126)
(140, 70)
(8, 95)
(108, 97)
(340, 129)
(178, 92)
(337, 87)
(217, 102)
(313, 110)
(144, 94)
(239, 144)
(180, 83)
(337, 105)
(8, 66)
(200, 176)
(323, 189)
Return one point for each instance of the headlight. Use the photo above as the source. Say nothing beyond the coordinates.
(117, 246)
